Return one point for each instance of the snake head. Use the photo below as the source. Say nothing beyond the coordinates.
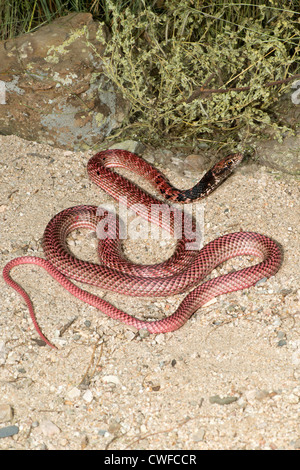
(224, 167)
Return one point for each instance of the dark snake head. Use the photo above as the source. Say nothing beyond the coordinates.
(224, 167)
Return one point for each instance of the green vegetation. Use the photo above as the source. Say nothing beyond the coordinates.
(163, 54)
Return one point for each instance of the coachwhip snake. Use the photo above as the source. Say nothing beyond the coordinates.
(183, 271)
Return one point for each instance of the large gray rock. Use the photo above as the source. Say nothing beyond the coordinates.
(52, 86)
(281, 156)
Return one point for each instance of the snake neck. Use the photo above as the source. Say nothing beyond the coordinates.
(212, 179)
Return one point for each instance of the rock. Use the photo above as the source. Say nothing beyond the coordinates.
(283, 156)
(130, 145)
(160, 339)
(292, 399)
(216, 399)
(88, 396)
(55, 89)
(3, 353)
(114, 427)
(199, 436)
(6, 413)
(129, 335)
(143, 333)
(74, 393)
(257, 394)
(48, 428)
(9, 431)
(197, 162)
(261, 281)
(111, 379)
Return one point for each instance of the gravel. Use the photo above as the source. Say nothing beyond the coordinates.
(107, 387)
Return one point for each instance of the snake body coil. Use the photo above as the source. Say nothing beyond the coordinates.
(183, 271)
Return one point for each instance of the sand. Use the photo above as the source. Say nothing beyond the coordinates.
(228, 379)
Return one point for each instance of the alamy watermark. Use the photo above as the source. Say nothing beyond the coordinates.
(157, 222)
(295, 97)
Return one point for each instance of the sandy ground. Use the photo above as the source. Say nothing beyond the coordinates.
(228, 379)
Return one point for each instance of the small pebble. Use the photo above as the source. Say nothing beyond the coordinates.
(292, 399)
(160, 339)
(48, 428)
(143, 429)
(114, 427)
(74, 393)
(199, 436)
(111, 379)
(6, 413)
(143, 333)
(261, 281)
(257, 394)
(3, 352)
(261, 394)
(216, 399)
(9, 431)
(129, 335)
(88, 396)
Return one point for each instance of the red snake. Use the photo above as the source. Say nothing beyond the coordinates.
(182, 271)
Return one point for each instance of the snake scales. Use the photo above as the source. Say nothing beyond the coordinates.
(182, 271)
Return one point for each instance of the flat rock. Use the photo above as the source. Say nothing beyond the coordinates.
(6, 413)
